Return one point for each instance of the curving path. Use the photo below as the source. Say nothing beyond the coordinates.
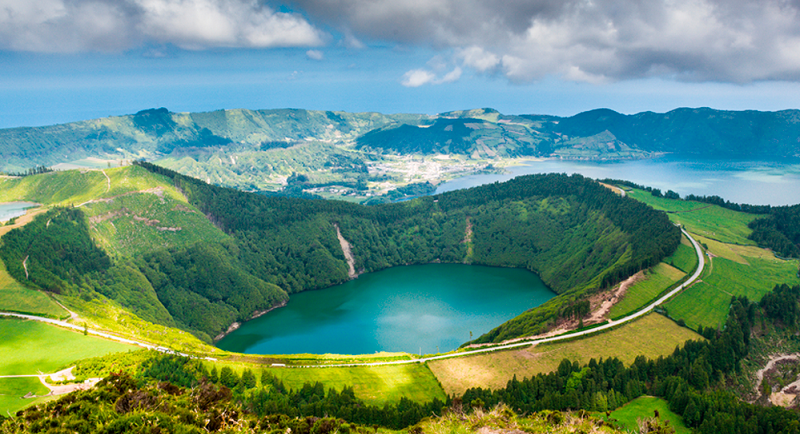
(563, 336)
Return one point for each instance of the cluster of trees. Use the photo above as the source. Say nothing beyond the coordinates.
(36, 170)
(780, 231)
(577, 235)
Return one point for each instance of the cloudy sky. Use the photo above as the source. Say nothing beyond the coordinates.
(63, 60)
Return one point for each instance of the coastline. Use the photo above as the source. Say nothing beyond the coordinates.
(233, 327)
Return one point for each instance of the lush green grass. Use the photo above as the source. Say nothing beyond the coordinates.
(706, 303)
(31, 347)
(15, 297)
(13, 389)
(655, 281)
(643, 407)
(651, 336)
(684, 258)
(376, 385)
(710, 221)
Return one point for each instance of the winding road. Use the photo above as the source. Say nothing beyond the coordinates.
(563, 336)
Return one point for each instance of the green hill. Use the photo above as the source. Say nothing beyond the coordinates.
(369, 154)
(143, 237)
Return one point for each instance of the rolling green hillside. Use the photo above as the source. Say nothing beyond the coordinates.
(577, 235)
(143, 237)
(372, 154)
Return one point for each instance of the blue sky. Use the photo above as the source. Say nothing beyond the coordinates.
(66, 60)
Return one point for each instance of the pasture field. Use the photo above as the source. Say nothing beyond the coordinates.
(706, 302)
(376, 385)
(710, 221)
(643, 407)
(15, 297)
(31, 347)
(13, 389)
(656, 280)
(684, 258)
(652, 335)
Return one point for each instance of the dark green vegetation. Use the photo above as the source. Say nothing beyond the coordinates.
(577, 235)
(690, 379)
(780, 231)
(142, 404)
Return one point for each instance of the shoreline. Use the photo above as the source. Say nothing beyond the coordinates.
(233, 327)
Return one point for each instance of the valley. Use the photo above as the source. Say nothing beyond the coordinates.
(141, 253)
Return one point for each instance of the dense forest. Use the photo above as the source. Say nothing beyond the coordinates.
(577, 235)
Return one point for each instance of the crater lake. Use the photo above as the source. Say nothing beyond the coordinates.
(417, 309)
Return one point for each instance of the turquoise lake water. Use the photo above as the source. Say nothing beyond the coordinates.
(418, 308)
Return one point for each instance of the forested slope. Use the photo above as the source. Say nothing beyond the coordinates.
(578, 235)
(179, 252)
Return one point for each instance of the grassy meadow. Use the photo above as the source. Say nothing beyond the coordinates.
(710, 221)
(684, 258)
(652, 335)
(12, 391)
(706, 302)
(656, 280)
(31, 347)
(15, 297)
(644, 407)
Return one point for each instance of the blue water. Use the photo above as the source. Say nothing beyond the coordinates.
(14, 209)
(421, 308)
(752, 182)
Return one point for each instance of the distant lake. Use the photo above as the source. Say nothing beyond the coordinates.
(14, 209)
(752, 182)
(412, 309)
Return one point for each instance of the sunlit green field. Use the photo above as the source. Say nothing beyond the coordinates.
(12, 391)
(15, 297)
(710, 221)
(684, 258)
(31, 347)
(706, 303)
(644, 407)
(374, 384)
(656, 280)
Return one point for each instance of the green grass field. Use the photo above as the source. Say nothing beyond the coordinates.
(643, 407)
(706, 303)
(684, 258)
(13, 389)
(651, 336)
(376, 385)
(656, 280)
(31, 347)
(710, 221)
(15, 297)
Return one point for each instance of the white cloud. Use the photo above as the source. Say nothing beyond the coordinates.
(315, 55)
(420, 77)
(599, 40)
(417, 77)
(478, 58)
(109, 25)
